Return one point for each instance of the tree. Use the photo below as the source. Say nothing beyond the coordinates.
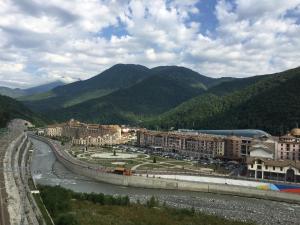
(154, 159)
(66, 219)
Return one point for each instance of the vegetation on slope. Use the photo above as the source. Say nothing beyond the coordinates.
(10, 109)
(23, 93)
(152, 96)
(70, 208)
(272, 103)
(115, 78)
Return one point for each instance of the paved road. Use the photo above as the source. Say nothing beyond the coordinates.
(47, 170)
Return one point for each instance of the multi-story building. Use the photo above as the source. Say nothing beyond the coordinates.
(191, 144)
(86, 134)
(276, 159)
(54, 130)
(288, 147)
(237, 148)
(232, 147)
(282, 170)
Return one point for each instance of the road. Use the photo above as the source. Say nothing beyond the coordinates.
(47, 170)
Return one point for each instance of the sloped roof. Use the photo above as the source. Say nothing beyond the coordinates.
(280, 163)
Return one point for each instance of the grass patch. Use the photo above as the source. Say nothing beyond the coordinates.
(70, 208)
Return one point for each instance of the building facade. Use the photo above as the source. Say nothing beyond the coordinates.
(54, 130)
(288, 147)
(86, 134)
(276, 159)
(189, 144)
(281, 170)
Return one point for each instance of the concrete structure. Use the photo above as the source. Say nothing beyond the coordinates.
(183, 143)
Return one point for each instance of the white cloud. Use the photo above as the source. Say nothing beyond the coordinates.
(43, 41)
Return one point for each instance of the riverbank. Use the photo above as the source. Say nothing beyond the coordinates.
(47, 170)
(69, 207)
(99, 173)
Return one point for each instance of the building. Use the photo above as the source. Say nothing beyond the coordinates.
(276, 159)
(86, 134)
(288, 147)
(183, 143)
(233, 148)
(237, 148)
(281, 170)
(54, 130)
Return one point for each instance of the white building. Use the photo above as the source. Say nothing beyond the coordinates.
(262, 168)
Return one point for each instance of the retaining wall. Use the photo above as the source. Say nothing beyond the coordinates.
(148, 182)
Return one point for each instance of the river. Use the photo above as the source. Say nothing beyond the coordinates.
(47, 170)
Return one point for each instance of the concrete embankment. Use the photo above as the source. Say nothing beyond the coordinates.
(21, 204)
(96, 172)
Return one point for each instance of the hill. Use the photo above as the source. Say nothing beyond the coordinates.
(270, 102)
(115, 78)
(21, 93)
(10, 92)
(10, 109)
(164, 89)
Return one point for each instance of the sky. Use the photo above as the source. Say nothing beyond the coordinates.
(42, 41)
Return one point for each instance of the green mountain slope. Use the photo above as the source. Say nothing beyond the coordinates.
(23, 93)
(165, 89)
(115, 78)
(271, 103)
(10, 92)
(10, 109)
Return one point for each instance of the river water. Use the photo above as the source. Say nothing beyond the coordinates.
(47, 170)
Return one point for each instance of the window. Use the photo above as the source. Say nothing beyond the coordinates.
(273, 167)
(251, 165)
(266, 167)
(259, 167)
(281, 168)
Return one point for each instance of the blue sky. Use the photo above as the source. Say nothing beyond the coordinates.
(70, 40)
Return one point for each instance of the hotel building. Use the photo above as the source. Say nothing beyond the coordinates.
(183, 143)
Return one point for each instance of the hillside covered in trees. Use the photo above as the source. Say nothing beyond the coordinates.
(10, 109)
(270, 103)
(171, 97)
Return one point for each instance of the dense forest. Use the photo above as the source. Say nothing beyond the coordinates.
(171, 97)
(10, 109)
(271, 103)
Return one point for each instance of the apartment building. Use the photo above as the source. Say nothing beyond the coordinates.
(288, 147)
(86, 134)
(183, 143)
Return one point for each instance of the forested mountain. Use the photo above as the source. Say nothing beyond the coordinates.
(270, 103)
(115, 78)
(176, 97)
(18, 93)
(127, 87)
(164, 89)
(10, 109)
